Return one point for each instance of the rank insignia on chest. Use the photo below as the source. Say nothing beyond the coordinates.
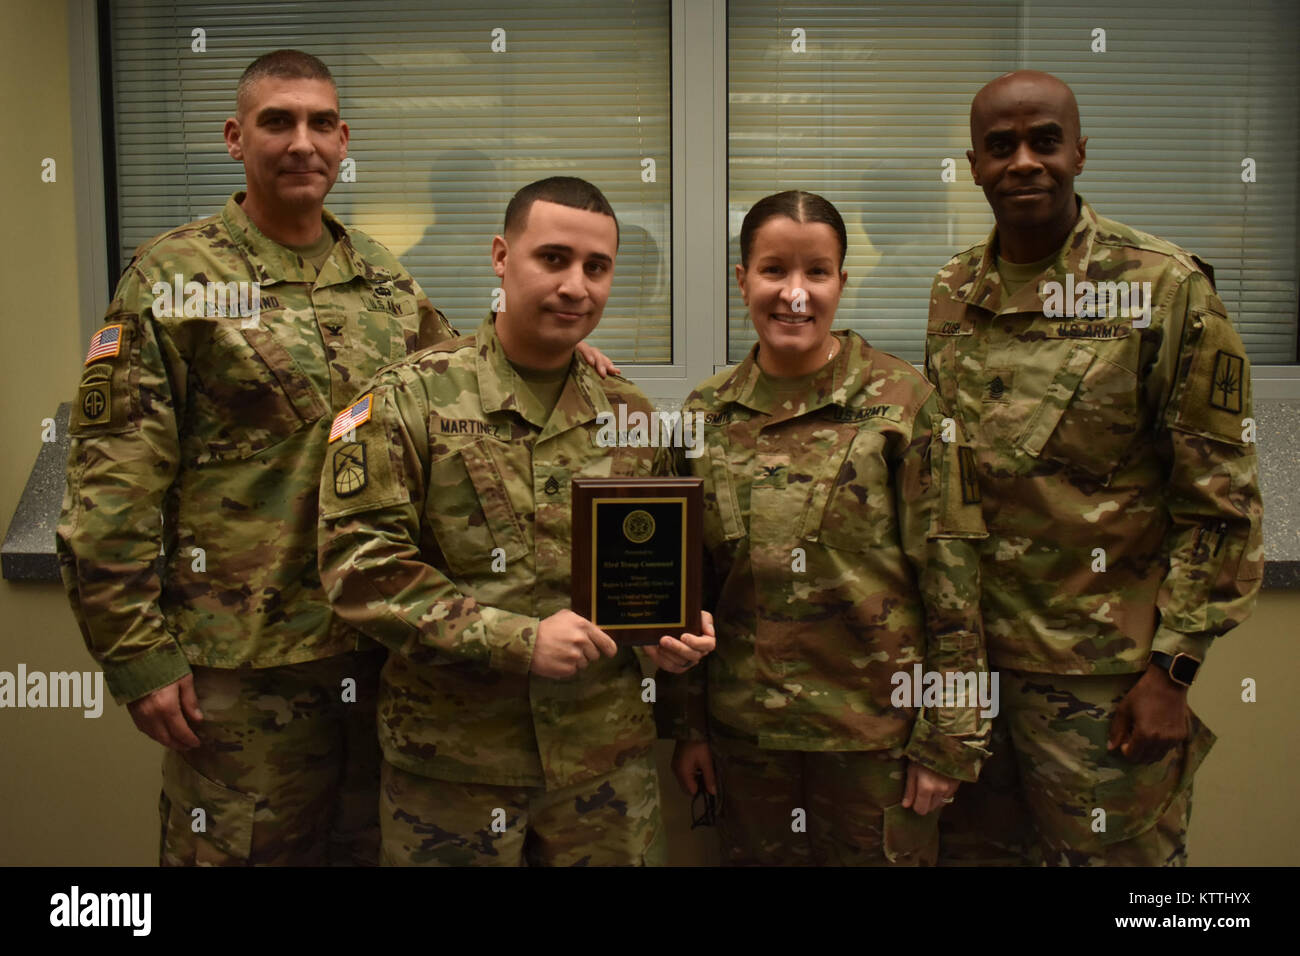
(770, 476)
(552, 487)
(349, 469)
(1225, 387)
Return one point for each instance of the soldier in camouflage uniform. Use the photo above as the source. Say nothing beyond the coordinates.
(1120, 493)
(841, 545)
(200, 425)
(513, 730)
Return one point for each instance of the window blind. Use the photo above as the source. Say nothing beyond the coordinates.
(878, 98)
(444, 129)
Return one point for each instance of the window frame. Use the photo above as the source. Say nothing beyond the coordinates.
(700, 272)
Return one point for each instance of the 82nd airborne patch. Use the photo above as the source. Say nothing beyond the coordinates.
(350, 473)
(1225, 385)
(94, 403)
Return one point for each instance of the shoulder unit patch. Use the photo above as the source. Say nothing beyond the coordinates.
(350, 472)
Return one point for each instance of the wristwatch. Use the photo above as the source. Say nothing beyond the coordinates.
(1180, 667)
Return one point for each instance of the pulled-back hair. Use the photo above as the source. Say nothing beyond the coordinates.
(285, 64)
(563, 190)
(794, 204)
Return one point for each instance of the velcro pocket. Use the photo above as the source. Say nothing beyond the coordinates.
(220, 835)
(502, 521)
(1048, 412)
(910, 838)
(1212, 394)
(297, 386)
(960, 512)
(1088, 417)
(851, 505)
(724, 508)
(1136, 800)
(250, 396)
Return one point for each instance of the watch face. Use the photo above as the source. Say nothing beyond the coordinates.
(1183, 669)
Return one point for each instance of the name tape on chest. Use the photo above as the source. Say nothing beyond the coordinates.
(839, 413)
(466, 426)
(388, 304)
(1089, 330)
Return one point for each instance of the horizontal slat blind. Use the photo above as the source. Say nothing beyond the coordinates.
(880, 97)
(444, 129)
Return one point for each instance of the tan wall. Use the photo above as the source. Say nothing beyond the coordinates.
(72, 790)
(79, 791)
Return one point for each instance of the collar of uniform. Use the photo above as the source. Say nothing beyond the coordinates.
(346, 263)
(499, 387)
(833, 385)
(275, 263)
(984, 289)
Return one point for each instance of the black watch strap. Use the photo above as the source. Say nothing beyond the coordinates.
(1181, 668)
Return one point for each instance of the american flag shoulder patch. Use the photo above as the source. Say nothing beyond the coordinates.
(358, 413)
(105, 343)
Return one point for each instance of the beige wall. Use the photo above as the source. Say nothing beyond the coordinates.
(79, 791)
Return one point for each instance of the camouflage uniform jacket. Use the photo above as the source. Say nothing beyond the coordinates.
(842, 550)
(1121, 500)
(445, 535)
(222, 429)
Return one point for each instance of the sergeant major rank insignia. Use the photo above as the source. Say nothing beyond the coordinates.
(1225, 386)
(349, 469)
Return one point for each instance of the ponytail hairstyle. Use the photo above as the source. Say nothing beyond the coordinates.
(794, 204)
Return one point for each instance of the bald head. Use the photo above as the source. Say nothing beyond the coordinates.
(1026, 150)
(1019, 90)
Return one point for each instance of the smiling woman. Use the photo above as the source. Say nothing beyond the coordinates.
(839, 537)
(792, 249)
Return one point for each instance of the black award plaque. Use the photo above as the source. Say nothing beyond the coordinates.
(636, 556)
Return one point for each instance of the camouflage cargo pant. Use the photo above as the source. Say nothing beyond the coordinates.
(1052, 794)
(608, 821)
(288, 773)
(851, 803)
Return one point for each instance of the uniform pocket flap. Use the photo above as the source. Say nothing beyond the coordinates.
(1048, 413)
(226, 820)
(502, 521)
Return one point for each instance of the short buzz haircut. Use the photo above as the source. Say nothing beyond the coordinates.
(564, 191)
(285, 64)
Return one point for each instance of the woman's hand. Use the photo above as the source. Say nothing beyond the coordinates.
(927, 791)
(689, 758)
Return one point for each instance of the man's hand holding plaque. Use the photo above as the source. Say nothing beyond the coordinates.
(568, 642)
(637, 558)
